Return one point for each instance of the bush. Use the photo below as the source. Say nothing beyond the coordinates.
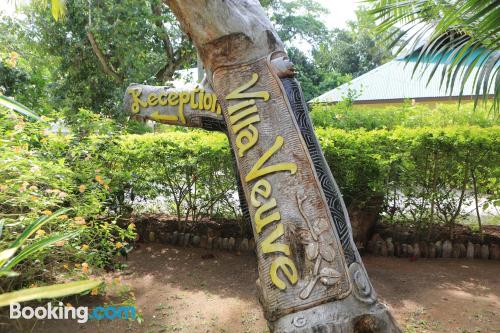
(346, 116)
(44, 167)
(192, 171)
(426, 175)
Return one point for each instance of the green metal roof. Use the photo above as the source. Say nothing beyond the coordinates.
(395, 80)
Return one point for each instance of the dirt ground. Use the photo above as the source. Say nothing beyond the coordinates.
(176, 290)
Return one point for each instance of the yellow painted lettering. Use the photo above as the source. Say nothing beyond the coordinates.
(200, 99)
(214, 104)
(244, 123)
(183, 99)
(173, 98)
(152, 99)
(261, 187)
(246, 139)
(207, 101)
(162, 98)
(239, 93)
(261, 222)
(137, 103)
(287, 267)
(268, 244)
(259, 171)
(243, 104)
(192, 102)
(242, 114)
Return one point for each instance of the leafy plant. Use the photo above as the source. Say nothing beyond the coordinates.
(461, 34)
(23, 248)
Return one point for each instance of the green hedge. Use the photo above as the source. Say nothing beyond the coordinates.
(420, 168)
(346, 116)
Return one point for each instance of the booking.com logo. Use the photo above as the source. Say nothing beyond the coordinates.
(80, 313)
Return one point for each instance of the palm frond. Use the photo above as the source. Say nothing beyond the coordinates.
(18, 107)
(462, 37)
(54, 291)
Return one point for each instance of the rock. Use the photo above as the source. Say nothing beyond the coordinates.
(495, 252)
(404, 250)
(424, 250)
(410, 251)
(485, 251)
(168, 238)
(187, 236)
(225, 244)
(217, 243)
(175, 236)
(463, 250)
(383, 249)
(390, 247)
(432, 251)
(203, 241)
(470, 251)
(152, 236)
(237, 244)
(231, 243)
(447, 249)
(439, 249)
(161, 236)
(416, 250)
(180, 239)
(195, 240)
(244, 245)
(477, 251)
(398, 250)
(455, 252)
(210, 243)
(251, 244)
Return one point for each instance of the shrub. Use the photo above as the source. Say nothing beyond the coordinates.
(347, 116)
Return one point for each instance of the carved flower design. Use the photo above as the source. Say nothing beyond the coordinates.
(318, 246)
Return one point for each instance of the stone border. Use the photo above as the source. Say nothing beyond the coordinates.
(440, 249)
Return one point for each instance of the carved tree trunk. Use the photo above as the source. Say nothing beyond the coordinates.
(311, 278)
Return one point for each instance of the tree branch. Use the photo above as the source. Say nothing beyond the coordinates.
(107, 68)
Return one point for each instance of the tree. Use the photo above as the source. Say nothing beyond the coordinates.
(355, 50)
(463, 34)
(106, 45)
(297, 20)
(304, 275)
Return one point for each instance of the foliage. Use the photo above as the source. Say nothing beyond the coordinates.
(50, 292)
(107, 45)
(192, 171)
(297, 20)
(339, 55)
(355, 50)
(462, 34)
(346, 116)
(19, 251)
(45, 167)
(424, 173)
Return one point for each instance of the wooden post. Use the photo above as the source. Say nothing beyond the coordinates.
(311, 277)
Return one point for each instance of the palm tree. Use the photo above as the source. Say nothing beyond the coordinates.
(464, 35)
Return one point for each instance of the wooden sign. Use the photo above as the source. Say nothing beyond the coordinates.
(301, 262)
(192, 108)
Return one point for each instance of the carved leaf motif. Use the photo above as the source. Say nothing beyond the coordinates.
(305, 236)
(329, 276)
(327, 252)
(312, 250)
(320, 227)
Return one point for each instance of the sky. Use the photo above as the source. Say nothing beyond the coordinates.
(341, 11)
